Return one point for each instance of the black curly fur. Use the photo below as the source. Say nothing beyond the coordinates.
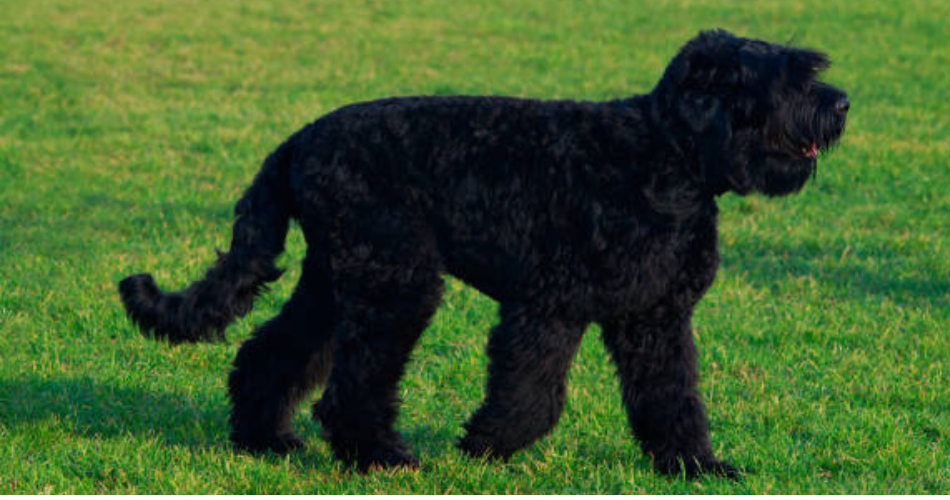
(203, 311)
(565, 212)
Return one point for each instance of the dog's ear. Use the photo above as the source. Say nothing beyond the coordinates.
(697, 82)
(696, 95)
(711, 122)
(700, 111)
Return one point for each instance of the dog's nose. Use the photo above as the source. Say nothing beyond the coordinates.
(843, 105)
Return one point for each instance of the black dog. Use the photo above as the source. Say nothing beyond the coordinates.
(565, 212)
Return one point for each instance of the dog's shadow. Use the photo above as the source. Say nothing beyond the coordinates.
(875, 273)
(97, 410)
(91, 409)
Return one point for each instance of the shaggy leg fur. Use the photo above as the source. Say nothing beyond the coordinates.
(656, 361)
(385, 302)
(284, 360)
(530, 355)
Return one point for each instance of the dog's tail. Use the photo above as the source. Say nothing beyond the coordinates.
(202, 311)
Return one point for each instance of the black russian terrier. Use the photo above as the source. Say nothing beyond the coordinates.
(565, 212)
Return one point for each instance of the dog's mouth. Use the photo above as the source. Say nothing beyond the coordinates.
(810, 152)
(811, 145)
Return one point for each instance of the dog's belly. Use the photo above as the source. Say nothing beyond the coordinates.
(485, 265)
(514, 258)
(483, 277)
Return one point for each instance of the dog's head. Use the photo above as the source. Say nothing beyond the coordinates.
(753, 113)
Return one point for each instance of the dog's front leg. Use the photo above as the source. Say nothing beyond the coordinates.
(656, 362)
(530, 351)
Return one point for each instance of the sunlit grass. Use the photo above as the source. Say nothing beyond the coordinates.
(128, 130)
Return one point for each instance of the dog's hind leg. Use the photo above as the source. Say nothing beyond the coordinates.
(656, 361)
(530, 352)
(283, 361)
(387, 287)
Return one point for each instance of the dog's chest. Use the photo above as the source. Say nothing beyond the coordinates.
(646, 265)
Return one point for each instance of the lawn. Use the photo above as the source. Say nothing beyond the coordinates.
(129, 128)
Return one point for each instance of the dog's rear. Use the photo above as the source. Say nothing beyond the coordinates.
(202, 311)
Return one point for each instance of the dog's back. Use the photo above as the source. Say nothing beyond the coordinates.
(507, 188)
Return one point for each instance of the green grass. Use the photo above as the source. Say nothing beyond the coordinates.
(129, 128)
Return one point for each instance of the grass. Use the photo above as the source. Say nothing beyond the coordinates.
(129, 128)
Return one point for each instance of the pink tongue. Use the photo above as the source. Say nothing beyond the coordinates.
(812, 152)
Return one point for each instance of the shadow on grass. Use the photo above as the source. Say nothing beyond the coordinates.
(873, 274)
(95, 410)
(431, 441)
(92, 409)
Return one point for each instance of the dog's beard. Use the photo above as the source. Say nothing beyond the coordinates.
(804, 128)
(793, 144)
(781, 175)
(782, 163)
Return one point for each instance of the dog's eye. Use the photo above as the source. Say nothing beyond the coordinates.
(802, 85)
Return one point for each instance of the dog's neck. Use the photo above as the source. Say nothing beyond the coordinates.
(651, 175)
(707, 172)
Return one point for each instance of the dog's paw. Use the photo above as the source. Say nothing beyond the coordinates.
(477, 446)
(385, 456)
(692, 467)
(282, 444)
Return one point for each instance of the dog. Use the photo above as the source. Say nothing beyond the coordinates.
(567, 213)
